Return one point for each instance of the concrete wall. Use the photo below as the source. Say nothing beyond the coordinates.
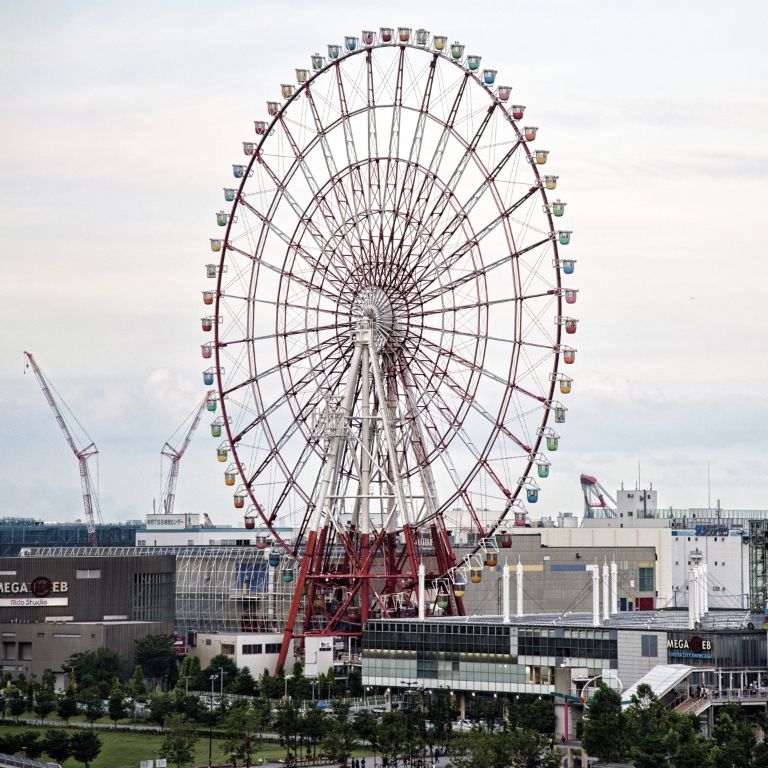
(632, 664)
(555, 578)
(33, 648)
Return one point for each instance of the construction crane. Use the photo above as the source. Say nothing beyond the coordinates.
(595, 495)
(90, 498)
(174, 454)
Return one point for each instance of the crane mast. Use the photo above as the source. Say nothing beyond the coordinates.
(175, 454)
(90, 499)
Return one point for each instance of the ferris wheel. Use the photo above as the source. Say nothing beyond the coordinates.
(389, 322)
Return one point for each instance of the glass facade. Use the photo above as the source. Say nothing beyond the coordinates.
(480, 656)
(153, 596)
(19, 532)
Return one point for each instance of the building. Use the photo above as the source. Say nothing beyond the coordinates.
(17, 533)
(567, 656)
(52, 607)
(232, 600)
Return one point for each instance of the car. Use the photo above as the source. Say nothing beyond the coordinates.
(461, 725)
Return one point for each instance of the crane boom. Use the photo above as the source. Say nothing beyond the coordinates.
(90, 498)
(175, 454)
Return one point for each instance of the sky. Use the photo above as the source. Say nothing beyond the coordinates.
(119, 124)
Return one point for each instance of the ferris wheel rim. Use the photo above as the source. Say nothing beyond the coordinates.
(476, 468)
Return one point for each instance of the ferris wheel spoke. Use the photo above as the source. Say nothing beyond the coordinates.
(447, 194)
(336, 299)
(405, 198)
(470, 335)
(474, 305)
(307, 221)
(460, 391)
(298, 419)
(333, 341)
(334, 279)
(285, 397)
(346, 211)
(333, 223)
(429, 260)
(459, 252)
(481, 370)
(459, 430)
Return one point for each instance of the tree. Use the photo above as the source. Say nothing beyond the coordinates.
(178, 745)
(650, 728)
(287, 726)
(97, 669)
(355, 682)
(298, 685)
(191, 675)
(242, 726)
(31, 744)
(138, 685)
(734, 739)
(90, 698)
(10, 743)
(393, 735)
(243, 683)
(156, 656)
(161, 705)
(439, 714)
(116, 702)
(313, 727)
(477, 749)
(340, 736)
(16, 703)
(604, 729)
(32, 688)
(693, 750)
(85, 746)
(219, 662)
(45, 701)
(366, 729)
(56, 745)
(66, 708)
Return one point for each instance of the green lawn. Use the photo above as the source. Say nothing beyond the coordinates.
(125, 750)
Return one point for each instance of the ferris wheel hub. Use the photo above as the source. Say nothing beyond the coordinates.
(374, 305)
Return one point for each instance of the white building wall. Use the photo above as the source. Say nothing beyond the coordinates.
(727, 559)
(210, 645)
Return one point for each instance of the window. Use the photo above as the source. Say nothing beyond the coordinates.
(272, 647)
(141, 542)
(649, 646)
(228, 649)
(153, 596)
(207, 640)
(251, 650)
(645, 580)
(88, 574)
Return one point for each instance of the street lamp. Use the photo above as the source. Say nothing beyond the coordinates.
(210, 723)
(592, 679)
(420, 688)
